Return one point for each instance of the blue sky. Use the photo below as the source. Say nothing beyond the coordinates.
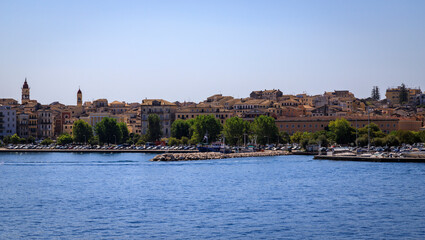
(189, 50)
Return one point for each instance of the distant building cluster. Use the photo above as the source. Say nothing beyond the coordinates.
(292, 113)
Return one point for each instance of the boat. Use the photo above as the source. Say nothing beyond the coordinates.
(215, 147)
(342, 152)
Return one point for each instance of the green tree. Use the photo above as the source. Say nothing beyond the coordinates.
(362, 141)
(284, 137)
(322, 137)
(296, 137)
(180, 128)
(191, 122)
(375, 131)
(124, 132)
(206, 126)
(375, 93)
(185, 140)
(6, 139)
(234, 129)
(108, 131)
(64, 139)
(342, 130)
(46, 141)
(322, 140)
(421, 136)
(392, 140)
(404, 94)
(265, 129)
(406, 136)
(172, 141)
(142, 140)
(154, 128)
(15, 139)
(133, 138)
(30, 139)
(379, 141)
(81, 131)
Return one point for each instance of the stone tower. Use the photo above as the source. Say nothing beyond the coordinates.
(79, 98)
(25, 93)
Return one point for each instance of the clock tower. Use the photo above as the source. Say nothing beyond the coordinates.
(79, 98)
(25, 93)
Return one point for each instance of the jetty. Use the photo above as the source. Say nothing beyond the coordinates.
(371, 159)
(213, 155)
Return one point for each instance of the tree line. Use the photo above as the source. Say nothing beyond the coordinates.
(263, 130)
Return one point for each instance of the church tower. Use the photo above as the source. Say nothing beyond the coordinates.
(25, 93)
(79, 98)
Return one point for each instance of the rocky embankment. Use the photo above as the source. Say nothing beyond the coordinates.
(213, 155)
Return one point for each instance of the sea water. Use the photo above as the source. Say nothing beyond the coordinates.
(124, 196)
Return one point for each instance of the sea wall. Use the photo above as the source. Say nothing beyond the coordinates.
(157, 151)
(213, 155)
(369, 159)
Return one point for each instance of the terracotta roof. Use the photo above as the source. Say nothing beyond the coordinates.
(148, 102)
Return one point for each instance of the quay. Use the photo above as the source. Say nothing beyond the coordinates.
(213, 155)
(157, 151)
(370, 159)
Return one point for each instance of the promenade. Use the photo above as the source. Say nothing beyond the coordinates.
(157, 151)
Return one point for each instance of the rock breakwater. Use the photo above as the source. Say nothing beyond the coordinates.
(212, 155)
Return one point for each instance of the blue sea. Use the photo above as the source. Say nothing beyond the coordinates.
(124, 196)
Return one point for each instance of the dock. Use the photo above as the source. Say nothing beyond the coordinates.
(369, 159)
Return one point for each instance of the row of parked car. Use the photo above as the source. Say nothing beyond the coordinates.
(104, 147)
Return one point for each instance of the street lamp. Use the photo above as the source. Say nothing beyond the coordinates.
(115, 139)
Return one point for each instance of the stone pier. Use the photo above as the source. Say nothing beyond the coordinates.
(213, 155)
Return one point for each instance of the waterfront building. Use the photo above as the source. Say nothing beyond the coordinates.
(204, 108)
(32, 125)
(164, 109)
(314, 124)
(45, 123)
(23, 125)
(7, 121)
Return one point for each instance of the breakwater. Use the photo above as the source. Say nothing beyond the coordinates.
(213, 155)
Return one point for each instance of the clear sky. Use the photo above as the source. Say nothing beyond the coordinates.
(189, 50)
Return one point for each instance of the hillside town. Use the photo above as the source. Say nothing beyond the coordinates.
(402, 109)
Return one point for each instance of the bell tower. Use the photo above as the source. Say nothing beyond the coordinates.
(25, 93)
(79, 98)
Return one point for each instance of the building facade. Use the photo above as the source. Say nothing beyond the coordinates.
(7, 121)
(164, 109)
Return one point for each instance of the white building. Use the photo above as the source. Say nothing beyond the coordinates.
(7, 121)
